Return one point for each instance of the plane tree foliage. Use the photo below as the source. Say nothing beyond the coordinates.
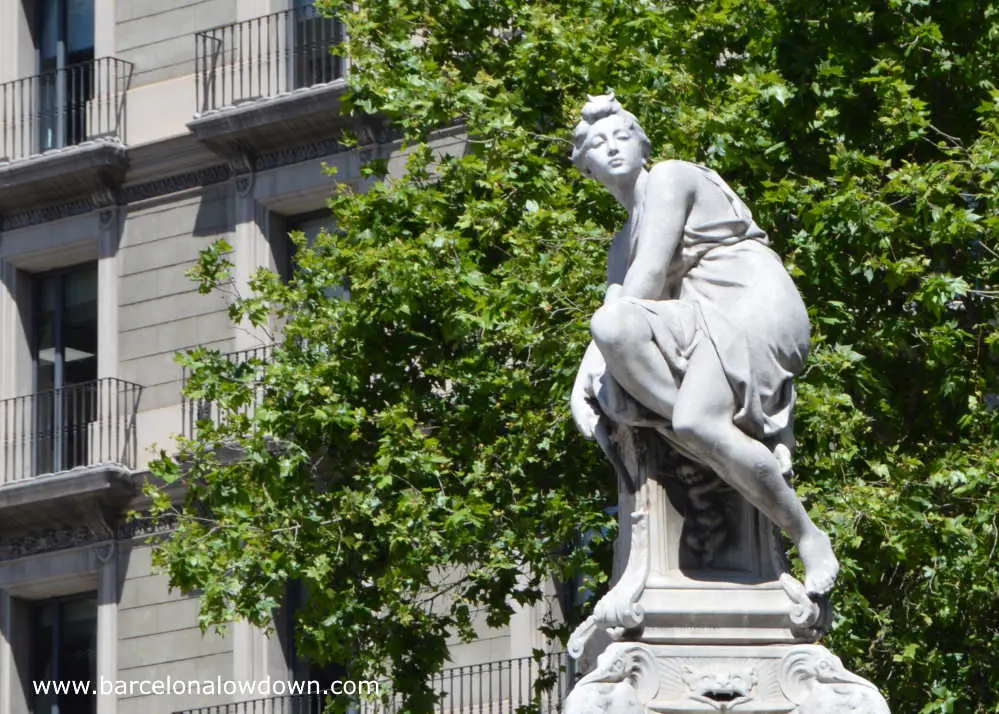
(412, 460)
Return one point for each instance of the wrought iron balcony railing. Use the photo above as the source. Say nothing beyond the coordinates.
(195, 410)
(266, 56)
(504, 687)
(64, 107)
(60, 429)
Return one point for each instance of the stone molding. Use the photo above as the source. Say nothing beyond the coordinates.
(219, 173)
(49, 540)
(178, 182)
(46, 214)
(65, 537)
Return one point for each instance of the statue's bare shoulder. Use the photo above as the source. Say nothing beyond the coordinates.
(674, 176)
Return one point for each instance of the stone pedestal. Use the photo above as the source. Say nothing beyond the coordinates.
(703, 615)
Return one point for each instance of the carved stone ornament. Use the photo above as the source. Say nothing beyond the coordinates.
(816, 680)
(47, 540)
(720, 686)
(618, 611)
(624, 681)
(810, 617)
(105, 218)
(244, 184)
(241, 167)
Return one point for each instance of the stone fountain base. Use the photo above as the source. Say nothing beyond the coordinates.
(704, 615)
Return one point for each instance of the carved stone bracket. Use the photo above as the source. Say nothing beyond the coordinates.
(105, 218)
(241, 164)
(618, 611)
(244, 184)
(816, 680)
(625, 679)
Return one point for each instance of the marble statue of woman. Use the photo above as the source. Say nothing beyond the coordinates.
(701, 331)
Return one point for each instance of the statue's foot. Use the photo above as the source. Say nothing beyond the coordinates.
(821, 566)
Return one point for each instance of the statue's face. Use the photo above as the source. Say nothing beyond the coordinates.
(613, 150)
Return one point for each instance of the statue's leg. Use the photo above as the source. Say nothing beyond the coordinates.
(702, 422)
(622, 333)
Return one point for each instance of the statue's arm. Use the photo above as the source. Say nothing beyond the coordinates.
(669, 195)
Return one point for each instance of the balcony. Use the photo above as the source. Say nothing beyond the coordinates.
(62, 133)
(244, 362)
(267, 83)
(264, 57)
(502, 687)
(65, 451)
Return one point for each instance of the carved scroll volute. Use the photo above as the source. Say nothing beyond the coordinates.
(619, 610)
(624, 681)
(816, 680)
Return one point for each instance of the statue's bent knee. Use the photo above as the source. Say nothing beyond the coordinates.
(619, 326)
(694, 431)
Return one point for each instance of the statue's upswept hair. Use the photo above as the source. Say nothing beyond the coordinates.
(595, 109)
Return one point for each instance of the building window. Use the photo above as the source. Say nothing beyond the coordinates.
(311, 224)
(300, 668)
(65, 365)
(65, 50)
(64, 649)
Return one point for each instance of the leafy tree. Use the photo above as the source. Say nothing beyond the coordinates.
(421, 428)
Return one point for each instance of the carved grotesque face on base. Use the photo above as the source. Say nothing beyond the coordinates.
(613, 152)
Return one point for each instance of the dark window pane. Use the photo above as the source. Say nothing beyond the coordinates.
(80, 27)
(64, 649)
(78, 653)
(80, 326)
(65, 44)
(48, 45)
(66, 367)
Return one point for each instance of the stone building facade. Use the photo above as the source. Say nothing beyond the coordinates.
(132, 134)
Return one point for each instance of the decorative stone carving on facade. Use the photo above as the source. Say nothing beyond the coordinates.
(179, 182)
(298, 154)
(816, 680)
(106, 196)
(143, 525)
(46, 214)
(244, 184)
(47, 540)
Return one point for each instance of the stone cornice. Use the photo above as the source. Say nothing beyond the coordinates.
(201, 167)
(208, 176)
(155, 188)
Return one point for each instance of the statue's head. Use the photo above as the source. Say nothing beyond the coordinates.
(609, 142)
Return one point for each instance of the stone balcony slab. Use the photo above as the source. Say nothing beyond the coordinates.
(90, 495)
(91, 170)
(252, 128)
